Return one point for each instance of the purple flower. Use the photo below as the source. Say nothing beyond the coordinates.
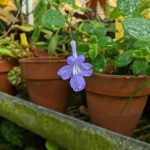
(76, 70)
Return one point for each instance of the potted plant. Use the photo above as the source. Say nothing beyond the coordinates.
(49, 45)
(10, 52)
(118, 89)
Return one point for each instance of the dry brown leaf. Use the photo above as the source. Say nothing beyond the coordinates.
(6, 14)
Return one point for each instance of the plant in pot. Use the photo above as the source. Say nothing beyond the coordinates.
(49, 43)
(118, 89)
(10, 52)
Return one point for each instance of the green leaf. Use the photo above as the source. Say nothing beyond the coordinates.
(36, 34)
(11, 133)
(148, 71)
(83, 49)
(99, 64)
(127, 6)
(139, 67)
(93, 28)
(39, 11)
(114, 14)
(7, 52)
(142, 45)
(53, 19)
(71, 2)
(139, 28)
(2, 27)
(93, 40)
(123, 60)
(93, 52)
(106, 43)
(138, 54)
(50, 145)
(53, 44)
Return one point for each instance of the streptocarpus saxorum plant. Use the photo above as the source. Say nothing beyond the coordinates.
(76, 70)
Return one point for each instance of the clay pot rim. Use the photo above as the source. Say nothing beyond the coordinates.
(119, 76)
(42, 60)
(6, 66)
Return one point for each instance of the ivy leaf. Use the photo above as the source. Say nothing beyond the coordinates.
(139, 67)
(139, 28)
(53, 19)
(99, 64)
(123, 60)
(127, 6)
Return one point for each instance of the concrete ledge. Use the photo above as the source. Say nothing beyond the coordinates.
(68, 132)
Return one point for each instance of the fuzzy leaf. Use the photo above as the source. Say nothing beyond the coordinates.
(93, 52)
(99, 64)
(127, 6)
(83, 49)
(123, 60)
(139, 67)
(139, 28)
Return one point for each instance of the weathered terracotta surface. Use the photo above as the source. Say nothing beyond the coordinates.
(107, 96)
(5, 85)
(44, 86)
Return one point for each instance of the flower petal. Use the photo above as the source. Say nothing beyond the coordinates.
(65, 72)
(71, 60)
(77, 82)
(81, 58)
(87, 73)
(86, 66)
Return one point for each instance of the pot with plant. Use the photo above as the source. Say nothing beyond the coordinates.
(118, 89)
(10, 52)
(49, 43)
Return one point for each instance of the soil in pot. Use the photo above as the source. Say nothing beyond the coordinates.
(107, 96)
(44, 86)
(5, 85)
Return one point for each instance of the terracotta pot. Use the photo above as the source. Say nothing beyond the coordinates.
(44, 86)
(93, 3)
(5, 85)
(107, 96)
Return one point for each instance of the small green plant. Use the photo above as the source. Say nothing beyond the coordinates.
(128, 55)
(13, 137)
(11, 49)
(52, 25)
